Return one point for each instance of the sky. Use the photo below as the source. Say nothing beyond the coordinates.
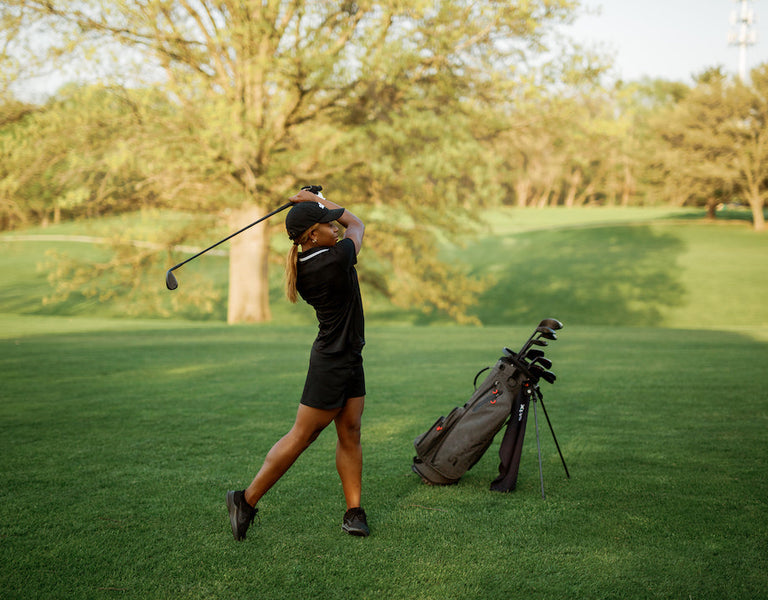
(671, 39)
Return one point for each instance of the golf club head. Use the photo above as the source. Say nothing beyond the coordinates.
(538, 342)
(546, 332)
(170, 280)
(543, 362)
(548, 376)
(551, 323)
(533, 354)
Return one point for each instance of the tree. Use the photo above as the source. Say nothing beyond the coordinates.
(270, 94)
(749, 131)
(716, 139)
(70, 157)
(655, 169)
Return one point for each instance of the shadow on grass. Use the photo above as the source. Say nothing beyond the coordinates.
(725, 214)
(601, 275)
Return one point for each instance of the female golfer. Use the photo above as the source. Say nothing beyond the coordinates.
(324, 274)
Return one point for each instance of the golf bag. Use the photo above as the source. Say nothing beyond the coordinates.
(455, 443)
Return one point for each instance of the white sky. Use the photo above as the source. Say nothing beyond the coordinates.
(671, 39)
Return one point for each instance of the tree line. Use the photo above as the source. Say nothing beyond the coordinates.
(419, 114)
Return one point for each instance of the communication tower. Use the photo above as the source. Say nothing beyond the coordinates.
(741, 33)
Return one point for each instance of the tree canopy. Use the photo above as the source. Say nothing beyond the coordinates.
(255, 98)
(417, 114)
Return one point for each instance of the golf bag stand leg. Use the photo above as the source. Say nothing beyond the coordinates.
(538, 446)
(554, 437)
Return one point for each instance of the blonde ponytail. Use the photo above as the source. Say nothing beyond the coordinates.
(290, 274)
(291, 270)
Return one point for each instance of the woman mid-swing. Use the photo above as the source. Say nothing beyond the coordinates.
(324, 274)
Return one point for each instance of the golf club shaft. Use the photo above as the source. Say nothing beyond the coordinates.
(552, 324)
(274, 212)
(542, 332)
(528, 344)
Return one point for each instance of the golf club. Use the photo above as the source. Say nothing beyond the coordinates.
(522, 366)
(546, 329)
(540, 373)
(170, 279)
(541, 361)
(542, 331)
(551, 323)
(547, 333)
(533, 354)
(549, 377)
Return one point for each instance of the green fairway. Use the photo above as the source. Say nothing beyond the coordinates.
(118, 446)
(120, 437)
(667, 272)
(638, 267)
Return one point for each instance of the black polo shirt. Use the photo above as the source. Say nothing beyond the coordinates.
(327, 280)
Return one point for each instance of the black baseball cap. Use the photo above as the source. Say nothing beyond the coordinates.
(305, 214)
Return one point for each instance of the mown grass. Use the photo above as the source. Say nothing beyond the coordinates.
(119, 437)
(117, 447)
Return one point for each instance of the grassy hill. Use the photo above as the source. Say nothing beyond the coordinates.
(639, 267)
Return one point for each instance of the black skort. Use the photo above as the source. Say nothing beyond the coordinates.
(332, 379)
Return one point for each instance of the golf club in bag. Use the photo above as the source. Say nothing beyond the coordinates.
(455, 443)
(170, 279)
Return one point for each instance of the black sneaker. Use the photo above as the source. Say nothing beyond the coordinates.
(355, 522)
(241, 514)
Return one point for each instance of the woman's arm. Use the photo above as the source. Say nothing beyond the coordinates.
(353, 226)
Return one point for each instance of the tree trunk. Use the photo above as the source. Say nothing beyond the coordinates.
(522, 190)
(584, 196)
(628, 186)
(574, 179)
(711, 209)
(758, 218)
(248, 269)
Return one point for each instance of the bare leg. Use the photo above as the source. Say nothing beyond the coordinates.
(349, 452)
(309, 423)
